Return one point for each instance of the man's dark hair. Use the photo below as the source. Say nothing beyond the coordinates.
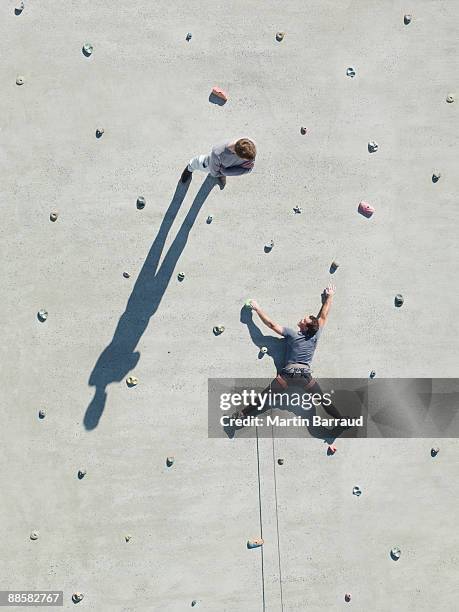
(245, 149)
(313, 326)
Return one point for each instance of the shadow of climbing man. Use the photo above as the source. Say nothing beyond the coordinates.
(120, 356)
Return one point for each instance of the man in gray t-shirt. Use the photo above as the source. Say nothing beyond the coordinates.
(301, 345)
(227, 159)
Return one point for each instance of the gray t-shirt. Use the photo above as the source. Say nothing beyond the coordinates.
(224, 162)
(300, 345)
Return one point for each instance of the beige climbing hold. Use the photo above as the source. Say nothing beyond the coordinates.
(255, 543)
(34, 535)
(127, 537)
(53, 216)
(450, 98)
(77, 597)
(280, 36)
(131, 381)
(19, 80)
(170, 461)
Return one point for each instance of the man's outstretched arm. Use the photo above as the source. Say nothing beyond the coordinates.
(266, 320)
(327, 299)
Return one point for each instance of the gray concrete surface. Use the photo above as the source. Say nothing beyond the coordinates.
(149, 89)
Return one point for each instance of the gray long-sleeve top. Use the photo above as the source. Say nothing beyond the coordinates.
(224, 162)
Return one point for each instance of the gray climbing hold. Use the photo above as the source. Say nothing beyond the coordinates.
(436, 176)
(407, 19)
(87, 49)
(188, 36)
(269, 246)
(372, 374)
(398, 300)
(34, 535)
(126, 275)
(53, 216)
(41, 414)
(42, 315)
(99, 132)
(194, 603)
(77, 597)
(434, 451)
(18, 10)
(357, 491)
(347, 597)
(280, 461)
(180, 276)
(297, 210)
(81, 474)
(209, 219)
(141, 201)
(280, 36)
(218, 329)
(334, 266)
(256, 543)
(127, 537)
(132, 381)
(303, 130)
(350, 72)
(373, 146)
(395, 553)
(170, 461)
(19, 80)
(450, 98)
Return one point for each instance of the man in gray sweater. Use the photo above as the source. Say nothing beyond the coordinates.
(228, 159)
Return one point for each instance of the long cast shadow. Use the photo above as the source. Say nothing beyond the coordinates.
(120, 357)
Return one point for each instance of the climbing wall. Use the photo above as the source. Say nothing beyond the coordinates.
(89, 478)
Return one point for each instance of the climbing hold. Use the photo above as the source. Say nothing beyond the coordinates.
(99, 132)
(395, 553)
(256, 543)
(127, 537)
(334, 266)
(34, 535)
(331, 450)
(449, 98)
(407, 19)
(350, 72)
(180, 276)
(194, 603)
(42, 315)
(188, 36)
(347, 597)
(209, 219)
(372, 374)
(297, 210)
(263, 350)
(87, 49)
(398, 300)
(220, 93)
(81, 474)
(280, 36)
(53, 216)
(366, 209)
(218, 329)
(18, 10)
(248, 303)
(434, 451)
(41, 414)
(373, 146)
(303, 130)
(141, 202)
(77, 597)
(280, 461)
(131, 381)
(126, 275)
(170, 461)
(436, 176)
(357, 491)
(19, 80)
(269, 246)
